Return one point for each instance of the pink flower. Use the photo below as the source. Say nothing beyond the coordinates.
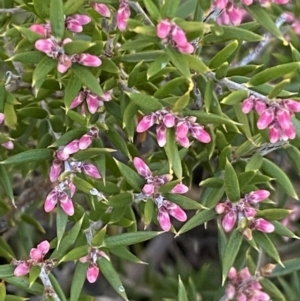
(257, 196)
(8, 145)
(263, 225)
(123, 15)
(2, 117)
(22, 269)
(92, 273)
(248, 104)
(74, 23)
(146, 123)
(88, 60)
(163, 29)
(45, 45)
(55, 170)
(229, 220)
(91, 170)
(40, 251)
(101, 9)
(142, 168)
(178, 36)
(72, 147)
(265, 118)
(41, 29)
(85, 141)
(161, 135)
(180, 189)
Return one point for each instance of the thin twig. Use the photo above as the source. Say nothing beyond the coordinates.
(15, 10)
(47, 284)
(136, 6)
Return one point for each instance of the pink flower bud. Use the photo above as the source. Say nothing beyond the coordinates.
(257, 196)
(141, 167)
(123, 15)
(241, 297)
(55, 170)
(182, 129)
(163, 28)
(85, 141)
(51, 200)
(169, 120)
(2, 117)
(81, 19)
(8, 145)
(265, 118)
(248, 104)
(78, 100)
(249, 212)
(178, 36)
(229, 220)
(64, 63)
(283, 117)
(232, 273)
(220, 4)
(148, 189)
(101, 9)
(45, 45)
(230, 291)
(161, 135)
(221, 207)
(40, 29)
(264, 226)
(290, 132)
(61, 155)
(247, 2)
(92, 103)
(281, 1)
(146, 123)
(22, 269)
(91, 170)
(260, 106)
(36, 254)
(72, 147)
(180, 189)
(200, 134)
(183, 141)
(88, 60)
(44, 247)
(164, 219)
(66, 204)
(274, 132)
(292, 105)
(176, 212)
(84, 259)
(73, 25)
(72, 188)
(186, 48)
(92, 273)
(235, 14)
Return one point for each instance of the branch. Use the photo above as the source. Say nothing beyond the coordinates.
(235, 86)
(47, 284)
(12, 10)
(138, 9)
(267, 37)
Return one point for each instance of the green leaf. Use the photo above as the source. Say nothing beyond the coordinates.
(78, 280)
(29, 34)
(169, 8)
(126, 239)
(129, 119)
(278, 88)
(61, 223)
(212, 182)
(148, 212)
(282, 230)
(260, 15)
(6, 271)
(266, 244)
(272, 73)
(231, 33)
(282, 179)
(234, 97)
(87, 78)
(124, 253)
(70, 136)
(231, 250)
(182, 295)
(109, 66)
(271, 289)
(34, 274)
(42, 8)
(183, 201)
(146, 102)
(72, 89)
(82, 185)
(179, 61)
(72, 6)
(34, 112)
(29, 219)
(32, 155)
(159, 64)
(195, 63)
(6, 184)
(130, 175)
(41, 71)
(57, 19)
(134, 75)
(287, 267)
(294, 155)
(112, 276)
(28, 57)
(91, 152)
(255, 162)
(273, 213)
(75, 254)
(23, 284)
(152, 9)
(169, 87)
(222, 56)
(57, 288)
(2, 291)
(198, 219)
(78, 46)
(231, 183)
(120, 200)
(147, 56)
(99, 237)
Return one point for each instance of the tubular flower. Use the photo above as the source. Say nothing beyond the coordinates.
(274, 115)
(123, 15)
(101, 9)
(171, 33)
(151, 189)
(166, 119)
(242, 286)
(244, 210)
(36, 258)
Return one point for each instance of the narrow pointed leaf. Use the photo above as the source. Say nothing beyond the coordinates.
(29, 156)
(231, 182)
(78, 280)
(57, 19)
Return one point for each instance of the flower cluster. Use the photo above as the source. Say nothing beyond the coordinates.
(93, 101)
(8, 144)
(36, 258)
(244, 287)
(55, 50)
(63, 163)
(92, 257)
(243, 210)
(151, 190)
(166, 119)
(169, 32)
(275, 115)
